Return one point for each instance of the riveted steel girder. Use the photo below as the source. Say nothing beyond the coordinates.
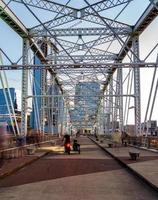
(81, 15)
(147, 17)
(104, 5)
(79, 31)
(48, 5)
(95, 19)
(52, 24)
(82, 58)
(11, 19)
(109, 66)
(93, 51)
(64, 9)
(103, 55)
(77, 47)
(40, 30)
(24, 89)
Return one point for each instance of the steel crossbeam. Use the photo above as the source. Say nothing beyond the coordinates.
(84, 46)
(79, 31)
(11, 19)
(68, 18)
(104, 5)
(83, 58)
(58, 7)
(93, 50)
(49, 6)
(53, 23)
(67, 10)
(93, 18)
(87, 71)
(80, 14)
(108, 66)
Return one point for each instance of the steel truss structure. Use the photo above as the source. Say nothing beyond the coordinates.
(89, 43)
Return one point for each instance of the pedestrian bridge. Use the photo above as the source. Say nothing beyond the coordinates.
(83, 68)
(93, 174)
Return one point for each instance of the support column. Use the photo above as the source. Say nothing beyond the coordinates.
(62, 116)
(111, 116)
(52, 103)
(120, 100)
(43, 100)
(103, 119)
(43, 81)
(65, 117)
(24, 89)
(135, 44)
(107, 114)
(117, 98)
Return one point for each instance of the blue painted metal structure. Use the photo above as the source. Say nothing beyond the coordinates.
(55, 107)
(36, 102)
(3, 105)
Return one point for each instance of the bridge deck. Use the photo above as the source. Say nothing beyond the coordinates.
(91, 175)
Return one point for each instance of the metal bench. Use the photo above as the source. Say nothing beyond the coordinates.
(134, 154)
(31, 150)
(110, 145)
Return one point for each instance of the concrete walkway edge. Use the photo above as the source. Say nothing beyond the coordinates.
(134, 172)
(12, 171)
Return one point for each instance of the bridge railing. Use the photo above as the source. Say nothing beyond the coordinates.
(150, 142)
(15, 147)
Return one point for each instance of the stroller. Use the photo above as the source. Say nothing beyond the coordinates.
(76, 146)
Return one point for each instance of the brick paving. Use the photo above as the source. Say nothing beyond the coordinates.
(9, 166)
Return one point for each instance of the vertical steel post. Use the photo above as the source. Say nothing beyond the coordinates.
(52, 103)
(120, 100)
(107, 113)
(117, 98)
(103, 118)
(43, 100)
(110, 110)
(43, 81)
(24, 88)
(135, 44)
(66, 118)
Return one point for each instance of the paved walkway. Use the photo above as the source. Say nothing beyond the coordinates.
(146, 165)
(9, 166)
(92, 175)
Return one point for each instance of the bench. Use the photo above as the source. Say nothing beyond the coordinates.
(134, 154)
(110, 145)
(30, 150)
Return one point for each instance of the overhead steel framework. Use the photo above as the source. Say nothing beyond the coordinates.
(73, 43)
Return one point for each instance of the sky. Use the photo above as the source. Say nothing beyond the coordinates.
(11, 43)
